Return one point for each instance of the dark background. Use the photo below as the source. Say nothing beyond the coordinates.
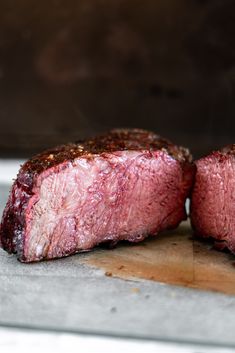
(70, 68)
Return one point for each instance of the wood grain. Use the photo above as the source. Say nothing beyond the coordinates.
(173, 257)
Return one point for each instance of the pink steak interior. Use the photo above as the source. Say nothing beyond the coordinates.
(213, 199)
(113, 196)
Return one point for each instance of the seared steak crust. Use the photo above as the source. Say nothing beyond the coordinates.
(115, 140)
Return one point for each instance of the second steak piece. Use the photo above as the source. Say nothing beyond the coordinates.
(125, 185)
(213, 198)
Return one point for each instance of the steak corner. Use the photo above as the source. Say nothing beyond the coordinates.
(124, 185)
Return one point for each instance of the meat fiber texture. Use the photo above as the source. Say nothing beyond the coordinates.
(124, 185)
(213, 198)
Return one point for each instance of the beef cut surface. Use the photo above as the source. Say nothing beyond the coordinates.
(124, 185)
(213, 198)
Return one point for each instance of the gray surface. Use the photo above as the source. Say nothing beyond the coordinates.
(4, 191)
(67, 295)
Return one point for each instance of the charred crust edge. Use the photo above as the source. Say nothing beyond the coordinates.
(115, 140)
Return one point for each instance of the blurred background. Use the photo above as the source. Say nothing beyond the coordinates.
(70, 69)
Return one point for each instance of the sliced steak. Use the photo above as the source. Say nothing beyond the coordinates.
(125, 185)
(213, 198)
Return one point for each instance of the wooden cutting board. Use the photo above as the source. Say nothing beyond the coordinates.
(173, 257)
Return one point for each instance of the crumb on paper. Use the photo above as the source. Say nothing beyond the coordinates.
(108, 274)
(121, 267)
(135, 290)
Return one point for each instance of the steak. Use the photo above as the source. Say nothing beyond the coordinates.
(213, 198)
(124, 185)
